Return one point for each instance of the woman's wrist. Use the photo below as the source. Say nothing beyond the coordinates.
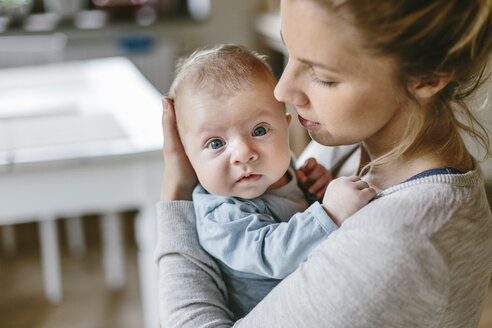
(167, 196)
(177, 192)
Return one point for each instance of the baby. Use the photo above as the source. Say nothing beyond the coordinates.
(252, 216)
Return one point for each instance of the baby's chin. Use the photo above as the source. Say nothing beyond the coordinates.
(250, 194)
(244, 194)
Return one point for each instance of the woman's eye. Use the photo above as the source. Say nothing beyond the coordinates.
(318, 81)
(323, 83)
(260, 131)
(215, 144)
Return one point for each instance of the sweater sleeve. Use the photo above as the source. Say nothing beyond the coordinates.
(249, 241)
(191, 291)
(353, 279)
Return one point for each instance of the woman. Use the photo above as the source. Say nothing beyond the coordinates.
(390, 76)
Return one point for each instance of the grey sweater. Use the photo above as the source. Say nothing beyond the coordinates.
(420, 255)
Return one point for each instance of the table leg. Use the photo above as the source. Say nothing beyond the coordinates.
(50, 259)
(75, 236)
(113, 252)
(8, 240)
(145, 234)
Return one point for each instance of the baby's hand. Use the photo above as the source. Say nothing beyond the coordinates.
(345, 196)
(313, 178)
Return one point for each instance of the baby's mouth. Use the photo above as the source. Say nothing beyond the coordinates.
(249, 178)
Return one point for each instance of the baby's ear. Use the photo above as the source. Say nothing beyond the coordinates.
(428, 86)
(288, 116)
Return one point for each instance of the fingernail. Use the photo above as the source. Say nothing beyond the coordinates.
(165, 105)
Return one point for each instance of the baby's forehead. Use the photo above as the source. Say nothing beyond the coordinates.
(211, 95)
(191, 105)
(217, 96)
(192, 97)
(196, 107)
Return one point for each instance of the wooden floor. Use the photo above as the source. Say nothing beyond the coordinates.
(87, 302)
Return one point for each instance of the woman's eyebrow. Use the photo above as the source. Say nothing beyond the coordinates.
(320, 65)
(311, 62)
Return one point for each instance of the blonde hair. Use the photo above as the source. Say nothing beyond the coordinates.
(219, 70)
(426, 40)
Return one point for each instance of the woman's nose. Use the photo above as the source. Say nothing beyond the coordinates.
(243, 152)
(289, 89)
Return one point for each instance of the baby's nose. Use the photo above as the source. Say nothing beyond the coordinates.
(243, 152)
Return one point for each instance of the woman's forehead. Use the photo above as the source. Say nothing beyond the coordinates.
(312, 34)
(315, 36)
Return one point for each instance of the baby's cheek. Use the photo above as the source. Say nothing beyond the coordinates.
(213, 179)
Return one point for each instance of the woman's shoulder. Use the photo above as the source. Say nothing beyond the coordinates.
(449, 212)
(436, 232)
(429, 204)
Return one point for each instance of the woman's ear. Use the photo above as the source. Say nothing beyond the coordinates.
(428, 86)
(288, 116)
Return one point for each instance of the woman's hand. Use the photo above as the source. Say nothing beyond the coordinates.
(179, 176)
(313, 178)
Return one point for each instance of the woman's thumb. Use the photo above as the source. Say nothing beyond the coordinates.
(169, 128)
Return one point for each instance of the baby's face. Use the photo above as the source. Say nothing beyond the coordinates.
(238, 144)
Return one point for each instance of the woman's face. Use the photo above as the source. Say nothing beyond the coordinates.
(342, 95)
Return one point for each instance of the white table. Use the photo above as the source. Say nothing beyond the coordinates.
(82, 137)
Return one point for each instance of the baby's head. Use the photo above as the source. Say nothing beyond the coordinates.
(234, 131)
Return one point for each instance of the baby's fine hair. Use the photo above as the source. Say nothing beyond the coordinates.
(427, 39)
(219, 70)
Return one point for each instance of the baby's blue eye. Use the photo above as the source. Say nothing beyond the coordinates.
(260, 131)
(215, 144)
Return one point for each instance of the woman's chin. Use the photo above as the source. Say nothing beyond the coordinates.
(320, 138)
(326, 139)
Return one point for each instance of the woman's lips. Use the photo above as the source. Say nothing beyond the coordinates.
(306, 123)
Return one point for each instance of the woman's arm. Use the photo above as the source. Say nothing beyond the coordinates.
(353, 279)
(191, 290)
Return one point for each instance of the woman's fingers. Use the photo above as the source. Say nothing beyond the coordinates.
(179, 176)
(172, 143)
